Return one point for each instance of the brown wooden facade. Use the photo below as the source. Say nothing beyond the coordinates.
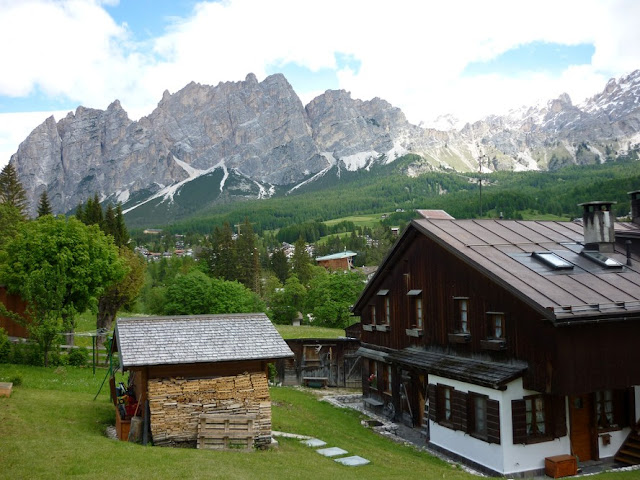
(333, 361)
(447, 303)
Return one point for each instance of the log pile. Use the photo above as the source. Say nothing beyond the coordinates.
(176, 404)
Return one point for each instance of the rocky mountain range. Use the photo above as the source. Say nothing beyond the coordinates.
(257, 139)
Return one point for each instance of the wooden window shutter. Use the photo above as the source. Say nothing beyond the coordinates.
(621, 408)
(493, 421)
(558, 415)
(519, 420)
(432, 403)
(459, 410)
(630, 398)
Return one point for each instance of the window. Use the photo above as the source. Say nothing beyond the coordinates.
(418, 309)
(373, 314)
(604, 409)
(387, 310)
(444, 403)
(478, 413)
(535, 416)
(496, 325)
(373, 375)
(552, 260)
(462, 315)
(387, 378)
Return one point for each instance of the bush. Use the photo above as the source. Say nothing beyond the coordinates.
(5, 346)
(28, 353)
(17, 381)
(78, 357)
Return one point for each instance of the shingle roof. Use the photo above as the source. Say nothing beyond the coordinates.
(198, 339)
(488, 374)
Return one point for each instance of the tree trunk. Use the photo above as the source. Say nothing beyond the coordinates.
(68, 325)
(107, 311)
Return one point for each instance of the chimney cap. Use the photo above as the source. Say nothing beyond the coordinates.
(597, 205)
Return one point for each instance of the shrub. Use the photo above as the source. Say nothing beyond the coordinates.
(5, 346)
(17, 381)
(78, 357)
(28, 353)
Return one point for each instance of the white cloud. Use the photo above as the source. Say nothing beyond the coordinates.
(410, 53)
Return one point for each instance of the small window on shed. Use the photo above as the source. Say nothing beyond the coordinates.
(552, 260)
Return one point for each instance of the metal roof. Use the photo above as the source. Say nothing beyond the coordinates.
(502, 250)
(336, 256)
(488, 374)
(198, 339)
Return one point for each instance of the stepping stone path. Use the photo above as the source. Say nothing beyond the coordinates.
(352, 461)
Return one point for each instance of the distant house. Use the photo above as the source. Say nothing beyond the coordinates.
(509, 343)
(152, 231)
(337, 261)
(186, 368)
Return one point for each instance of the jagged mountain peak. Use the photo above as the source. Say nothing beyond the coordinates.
(260, 134)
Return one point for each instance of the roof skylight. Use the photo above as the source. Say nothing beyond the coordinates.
(601, 259)
(552, 260)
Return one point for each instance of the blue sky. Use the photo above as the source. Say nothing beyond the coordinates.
(461, 57)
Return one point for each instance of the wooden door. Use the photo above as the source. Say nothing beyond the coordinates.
(581, 414)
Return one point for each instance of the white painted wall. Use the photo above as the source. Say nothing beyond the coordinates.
(505, 458)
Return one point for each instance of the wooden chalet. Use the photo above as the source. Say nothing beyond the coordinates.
(337, 261)
(509, 342)
(192, 372)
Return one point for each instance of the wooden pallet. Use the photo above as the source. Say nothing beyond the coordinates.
(224, 432)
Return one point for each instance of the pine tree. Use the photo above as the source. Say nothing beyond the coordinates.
(222, 255)
(248, 261)
(121, 234)
(301, 262)
(11, 191)
(44, 207)
(108, 225)
(280, 265)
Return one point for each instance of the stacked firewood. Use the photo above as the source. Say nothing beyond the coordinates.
(176, 404)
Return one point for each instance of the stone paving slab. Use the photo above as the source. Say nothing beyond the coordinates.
(353, 461)
(314, 442)
(331, 452)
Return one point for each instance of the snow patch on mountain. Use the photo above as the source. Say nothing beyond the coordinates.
(359, 160)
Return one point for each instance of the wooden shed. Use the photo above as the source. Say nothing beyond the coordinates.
(330, 362)
(197, 375)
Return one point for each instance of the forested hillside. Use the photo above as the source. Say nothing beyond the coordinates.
(515, 194)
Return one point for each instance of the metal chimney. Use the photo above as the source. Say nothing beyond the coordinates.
(635, 206)
(598, 221)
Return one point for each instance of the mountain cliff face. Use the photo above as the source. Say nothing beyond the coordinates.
(255, 139)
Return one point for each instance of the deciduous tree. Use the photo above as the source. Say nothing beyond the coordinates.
(59, 267)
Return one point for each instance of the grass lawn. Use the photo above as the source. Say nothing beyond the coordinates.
(359, 220)
(51, 427)
(306, 331)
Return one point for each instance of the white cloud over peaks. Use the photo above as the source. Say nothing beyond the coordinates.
(409, 53)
